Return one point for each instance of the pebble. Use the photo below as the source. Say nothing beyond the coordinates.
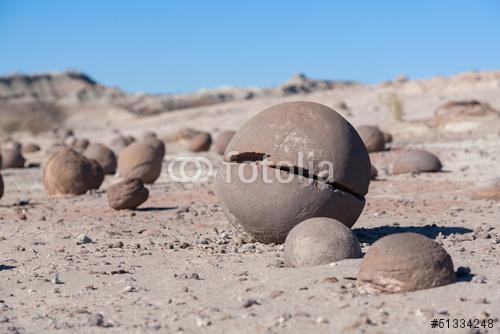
(56, 280)
(250, 302)
(83, 239)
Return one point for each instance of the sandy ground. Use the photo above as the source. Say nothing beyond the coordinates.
(176, 265)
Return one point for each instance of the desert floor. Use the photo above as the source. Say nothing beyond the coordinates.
(175, 264)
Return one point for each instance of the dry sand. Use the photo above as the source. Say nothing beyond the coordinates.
(176, 265)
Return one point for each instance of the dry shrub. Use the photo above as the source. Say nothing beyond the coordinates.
(394, 103)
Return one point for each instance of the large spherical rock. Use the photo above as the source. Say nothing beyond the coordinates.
(320, 156)
(416, 161)
(68, 172)
(127, 194)
(405, 262)
(103, 155)
(12, 158)
(318, 241)
(223, 140)
(372, 137)
(200, 143)
(140, 160)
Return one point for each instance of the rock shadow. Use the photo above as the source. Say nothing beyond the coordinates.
(370, 235)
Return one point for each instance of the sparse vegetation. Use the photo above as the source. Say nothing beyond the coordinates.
(394, 103)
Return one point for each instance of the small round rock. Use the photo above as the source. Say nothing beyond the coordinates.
(372, 137)
(223, 140)
(416, 161)
(127, 194)
(103, 155)
(200, 142)
(140, 160)
(12, 158)
(405, 262)
(318, 241)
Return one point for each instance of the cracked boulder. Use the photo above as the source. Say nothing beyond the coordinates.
(405, 262)
(289, 163)
(318, 241)
(416, 161)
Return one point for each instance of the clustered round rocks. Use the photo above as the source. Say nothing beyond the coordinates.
(318, 241)
(405, 262)
(127, 194)
(416, 161)
(327, 167)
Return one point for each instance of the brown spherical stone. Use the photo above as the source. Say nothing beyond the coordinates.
(12, 158)
(318, 241)
(405, 262)
(127, 194)
(416, 161)
(140, 160)
(68, 172)
(318, 153)
(223, 140)
(103, 155)
(30, 148)
(200, 142)
(97, 174)
(372, 137)
(158, 145)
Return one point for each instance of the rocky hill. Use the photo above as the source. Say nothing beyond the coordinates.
(72, 88)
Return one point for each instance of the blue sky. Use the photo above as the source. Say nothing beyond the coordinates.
(175, 46)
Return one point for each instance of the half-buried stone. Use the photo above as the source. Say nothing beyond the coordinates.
(416, 161)
(405, 262)
(289, 163)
